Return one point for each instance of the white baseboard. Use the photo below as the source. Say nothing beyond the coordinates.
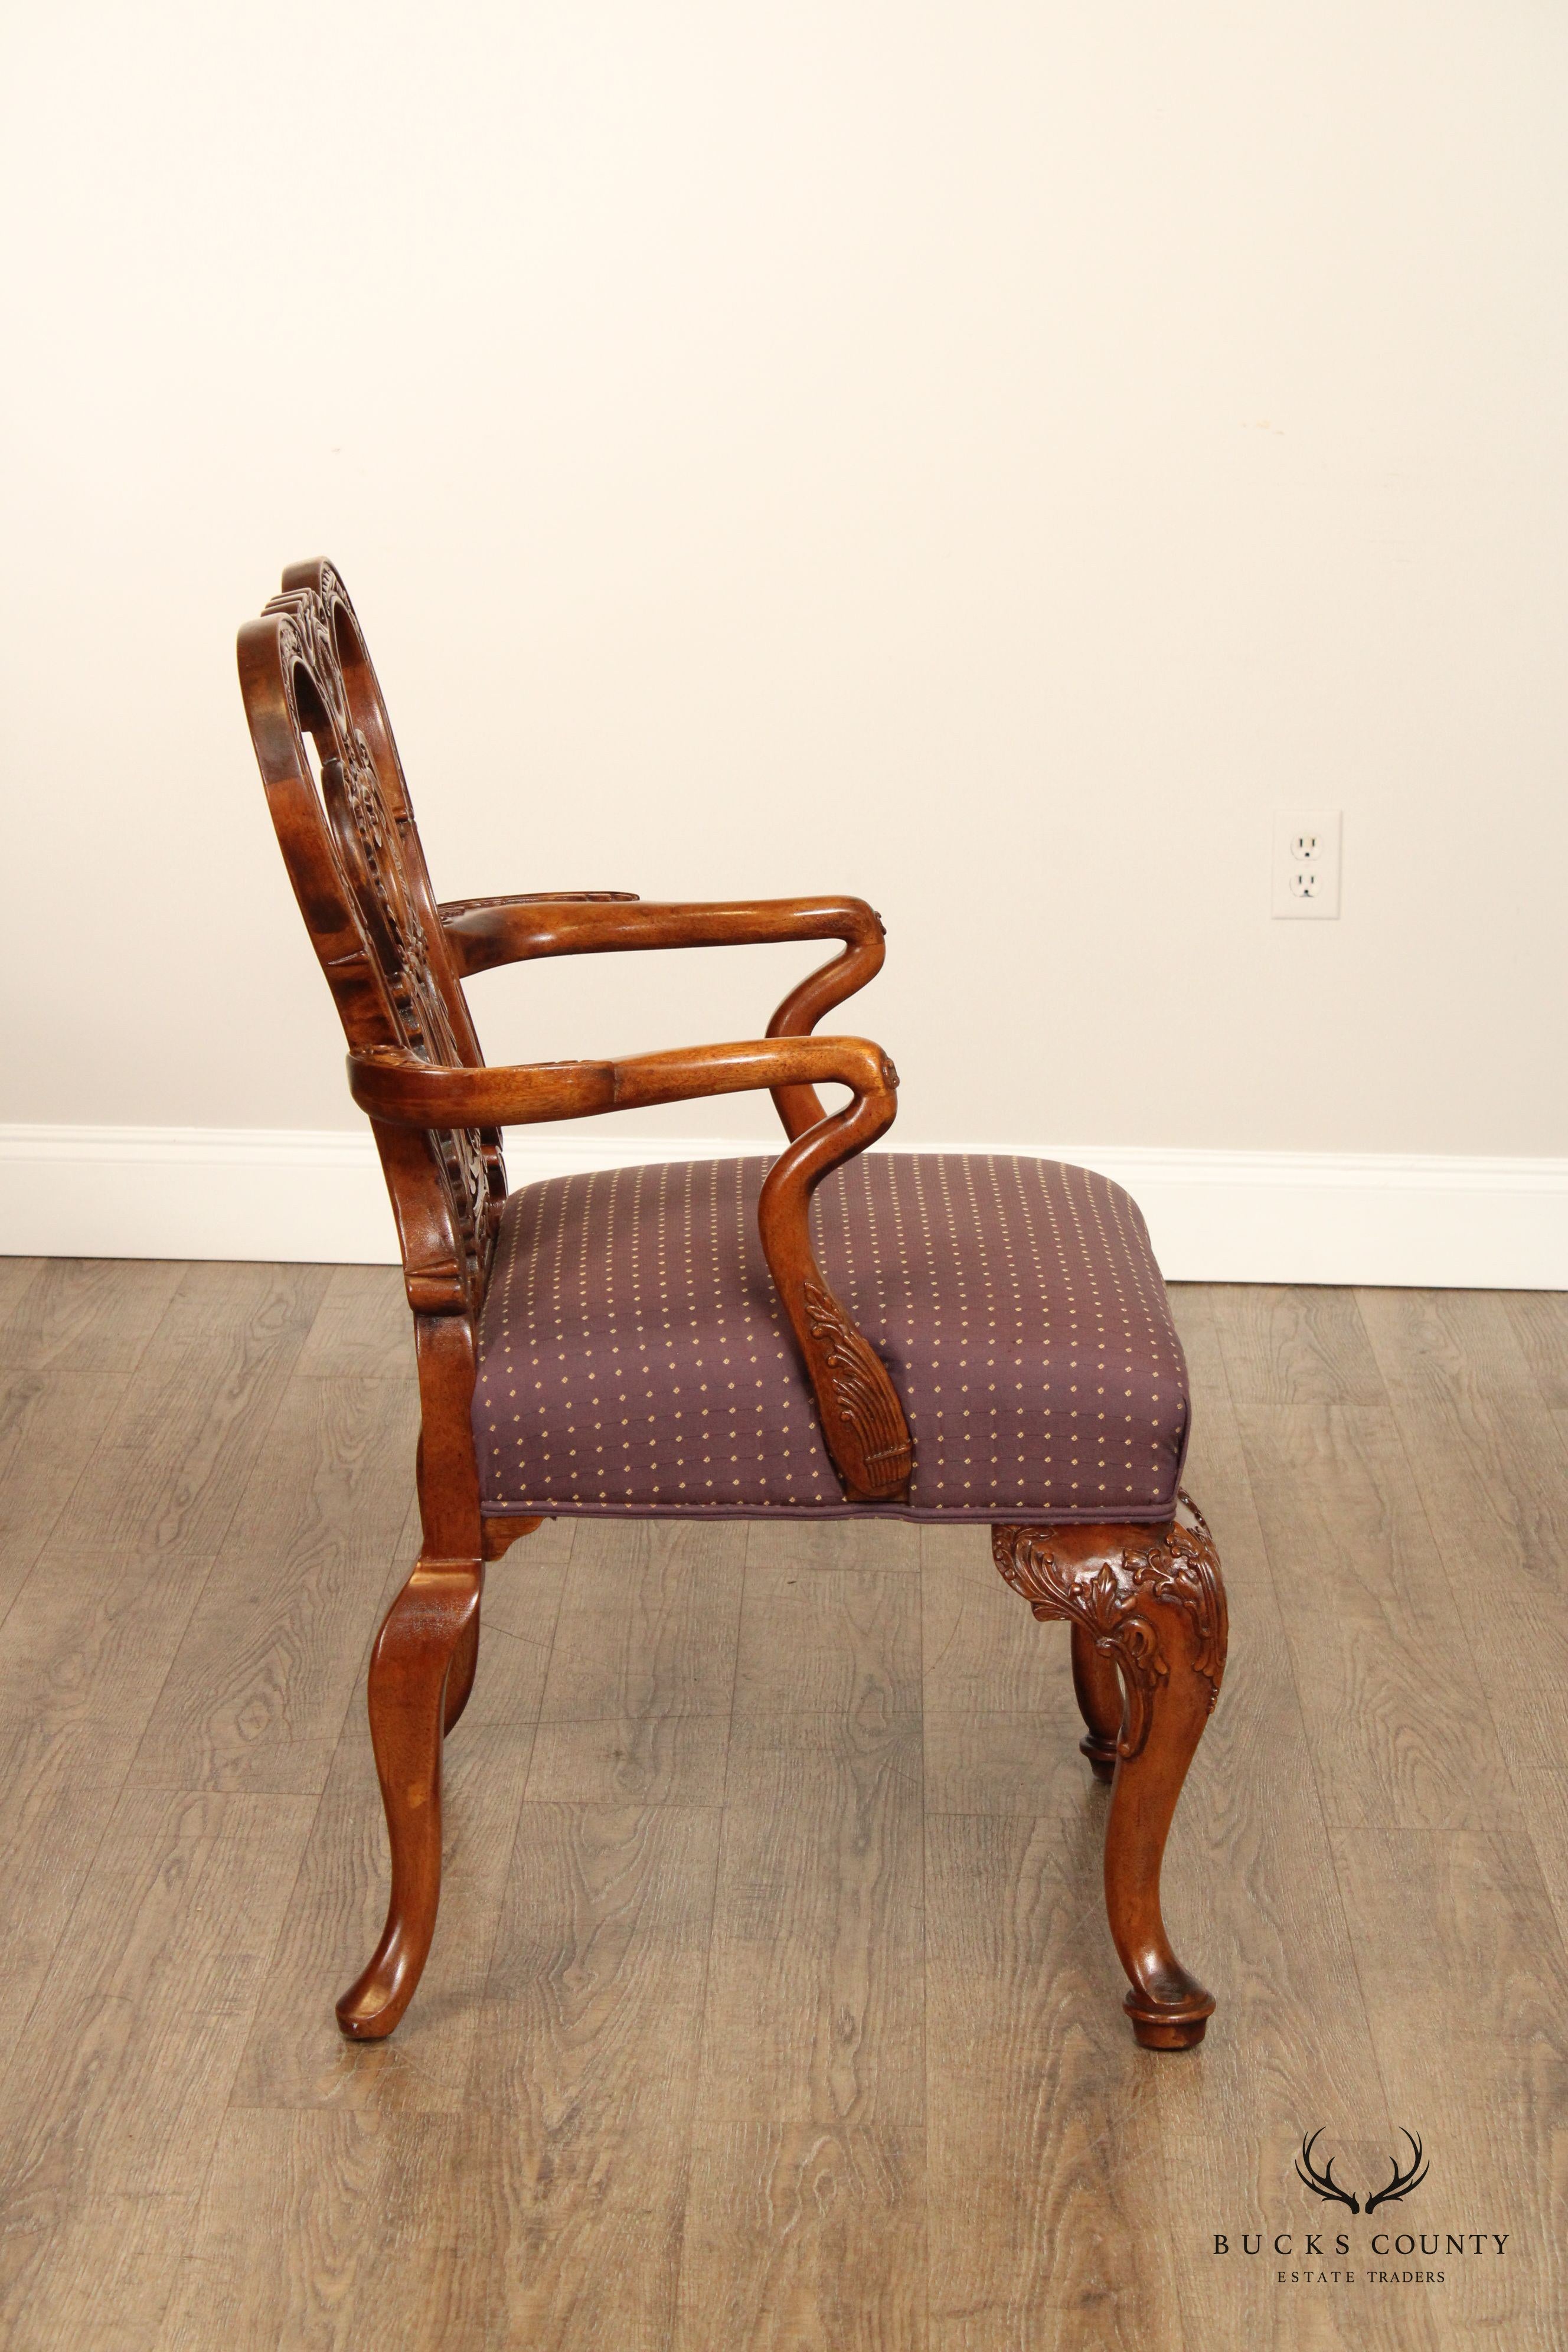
(1215, 1216)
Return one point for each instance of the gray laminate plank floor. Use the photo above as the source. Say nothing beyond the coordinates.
(771, 2004)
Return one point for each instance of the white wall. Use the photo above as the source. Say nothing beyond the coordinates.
(982, 455)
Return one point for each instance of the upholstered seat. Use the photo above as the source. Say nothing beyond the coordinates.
(632, 1355)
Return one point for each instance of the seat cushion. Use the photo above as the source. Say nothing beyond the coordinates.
(633, 1356)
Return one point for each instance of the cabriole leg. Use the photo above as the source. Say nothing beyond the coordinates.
(1169, 2009)
(1148, 1605)
(415, 1693)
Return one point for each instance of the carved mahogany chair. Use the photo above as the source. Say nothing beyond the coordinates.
(939, 1339)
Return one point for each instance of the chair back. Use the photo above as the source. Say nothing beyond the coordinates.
(340, 802)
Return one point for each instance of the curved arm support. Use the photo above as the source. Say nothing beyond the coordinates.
(862, 1418)
(799, 1107)
(482, 933)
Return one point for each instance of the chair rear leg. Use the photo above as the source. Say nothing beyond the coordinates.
(426, 1645)
(460, 1678)
(1099, 1689)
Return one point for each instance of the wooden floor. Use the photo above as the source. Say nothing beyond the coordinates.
(771, 2003)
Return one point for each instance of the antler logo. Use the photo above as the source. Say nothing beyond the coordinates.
(1323, 2184)
(1402, 2183)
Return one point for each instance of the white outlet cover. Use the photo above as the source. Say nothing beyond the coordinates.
(1306, 847)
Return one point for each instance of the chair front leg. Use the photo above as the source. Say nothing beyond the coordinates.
(420, 1672)
(1147, 1610)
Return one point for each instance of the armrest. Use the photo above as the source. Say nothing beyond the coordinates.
(482, 933)
(862, 1418)
(485, 932)
(479, 931)
(402, 1090)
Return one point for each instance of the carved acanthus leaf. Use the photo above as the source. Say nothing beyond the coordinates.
(863, 1420)
(1107, 1592)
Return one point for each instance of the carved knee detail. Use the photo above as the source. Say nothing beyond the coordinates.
(1103, 1578)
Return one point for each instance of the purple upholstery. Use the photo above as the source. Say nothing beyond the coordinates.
(633, 1357)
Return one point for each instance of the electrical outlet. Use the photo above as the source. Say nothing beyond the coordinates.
(1307, 862)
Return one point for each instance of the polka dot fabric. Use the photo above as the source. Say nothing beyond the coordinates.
(633, 1357)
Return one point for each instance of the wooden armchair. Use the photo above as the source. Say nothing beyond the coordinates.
(933, 1338)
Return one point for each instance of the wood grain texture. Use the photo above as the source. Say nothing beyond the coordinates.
(90, 1639)
(105, 2275)
(830, 1642)
(49, 1423)
(1047, 2215)
(649, 1759)
(310, 2185)
(817, 1927)
(1250, 1862)
(794, 1544)
(362, 1329)
(522, 1608)
(982, 1655)
(648, 1624)
(17, 1274)
(50, 1833)
(803, 2237)
(1540, 1321)
(209, 1382)
(1484, 1452)
(275, 1646)
(1400, 1731)
(1466, 1990)
(380, 2227)
(84, 1314)
(108, 1617)
(594, 2010)
(83, 1626)
(805, 2217)
(437, 2276)
(1000, 1718)
(1543, 1799)
(74, 1332)
(1027, 1764)
(117, 2089)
